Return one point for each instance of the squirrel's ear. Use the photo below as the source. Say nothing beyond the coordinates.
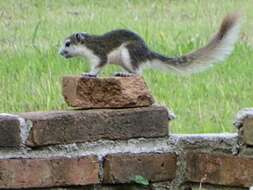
(79, 37)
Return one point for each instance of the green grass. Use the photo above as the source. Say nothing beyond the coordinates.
(31, 32)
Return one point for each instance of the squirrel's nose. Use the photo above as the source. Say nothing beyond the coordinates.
(63, 52)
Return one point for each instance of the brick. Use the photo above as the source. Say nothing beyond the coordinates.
(123, 168)
(90, 125)
(48, 172)
(9, 131)
(248, 131)
(244, 122)
(107, 187)
(219, 169)
(113, 92)
(197, 186)
(241, 116)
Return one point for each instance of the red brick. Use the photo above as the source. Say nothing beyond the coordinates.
(113, 92)
(122, 168)
(219, 169)
(9, 131)
(48, 172)
(248, 131)
(64, 127)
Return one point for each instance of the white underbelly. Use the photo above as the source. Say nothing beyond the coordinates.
(114, 57)
(121, 56)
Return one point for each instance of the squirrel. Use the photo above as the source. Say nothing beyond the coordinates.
(129, 50)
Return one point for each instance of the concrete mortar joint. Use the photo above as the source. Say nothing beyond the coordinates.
(101, 169)
(25, 127)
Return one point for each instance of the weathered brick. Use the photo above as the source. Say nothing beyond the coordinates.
(123, 168)
(9, 131)
(107, 187)
(91, 125)
(198, 186)
(244, 122)
(248, 131)
(219, 169)
(48, 172)
(113, 92)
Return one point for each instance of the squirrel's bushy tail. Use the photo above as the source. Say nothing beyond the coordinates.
(218, 48)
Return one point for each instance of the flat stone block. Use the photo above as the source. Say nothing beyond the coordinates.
(64, 127)
(113, 92)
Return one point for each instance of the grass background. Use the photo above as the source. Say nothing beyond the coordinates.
(31, 32)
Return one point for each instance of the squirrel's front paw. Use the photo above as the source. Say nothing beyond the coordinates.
(88, 75)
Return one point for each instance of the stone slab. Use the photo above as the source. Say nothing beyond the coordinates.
(113, 92)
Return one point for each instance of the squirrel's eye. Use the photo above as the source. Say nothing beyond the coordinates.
(67, 44)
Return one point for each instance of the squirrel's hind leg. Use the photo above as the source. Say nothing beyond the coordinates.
(127, 63)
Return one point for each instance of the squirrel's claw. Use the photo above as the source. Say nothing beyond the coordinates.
(121, 74)
(88, 75)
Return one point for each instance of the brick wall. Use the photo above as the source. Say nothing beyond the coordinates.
(55, 150)
(120, 149)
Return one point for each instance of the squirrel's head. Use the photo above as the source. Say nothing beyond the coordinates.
(74, 45)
